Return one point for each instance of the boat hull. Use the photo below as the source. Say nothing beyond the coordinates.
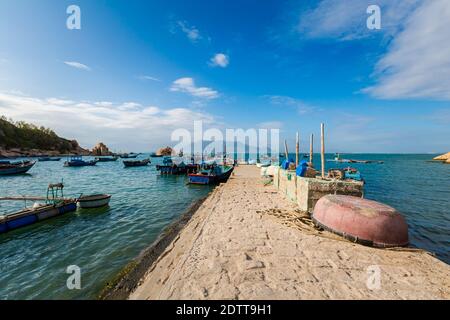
(107, 159)
(201, 179)
(205, 179)
(129, 164)
(94, 202)
(363, 221)
(19, 169)
(49, 159)
(31, 216)
(80, 163)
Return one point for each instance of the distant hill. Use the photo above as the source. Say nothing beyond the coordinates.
(21, 138)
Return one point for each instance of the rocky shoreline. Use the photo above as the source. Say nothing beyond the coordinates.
(445, 158)
(33, 153)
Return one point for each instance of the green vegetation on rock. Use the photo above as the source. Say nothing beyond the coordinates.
(28, 136)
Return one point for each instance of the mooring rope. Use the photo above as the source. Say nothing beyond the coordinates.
(302, 221)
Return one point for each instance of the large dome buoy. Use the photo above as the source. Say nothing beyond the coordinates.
(363, 221)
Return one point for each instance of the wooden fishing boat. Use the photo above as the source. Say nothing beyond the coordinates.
(170, 168)
(77, 161)
(154, 155)
(339, 160)
(136, 163)
(36, 214)
(352, 174)
(47, 159)
(12, 168)
(218, 174)
(106, 159)
(55, 205)
(192, 168)
(93, 201)
(129, 155)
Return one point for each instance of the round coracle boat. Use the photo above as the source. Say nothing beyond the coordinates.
(363, 221)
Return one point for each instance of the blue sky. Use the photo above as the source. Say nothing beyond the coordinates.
(137, 70)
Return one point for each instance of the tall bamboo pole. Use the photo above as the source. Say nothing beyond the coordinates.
(311, 150)
(286, 152)
(297, 150)
(322, 127)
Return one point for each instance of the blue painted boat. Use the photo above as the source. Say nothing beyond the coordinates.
(33, 215)
(12, 168)
(77, 161)
(353, 174)
(217, 174)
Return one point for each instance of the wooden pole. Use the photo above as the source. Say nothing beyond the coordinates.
(322, 127)
(297, 150)
(224, 153)
(23, 198)
(286, 152)
(311, 150)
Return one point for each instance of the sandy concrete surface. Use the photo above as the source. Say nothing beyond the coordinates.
(235, 247)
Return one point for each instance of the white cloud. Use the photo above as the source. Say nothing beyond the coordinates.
(77, 65)
(149, 78)
(191, 32)
(346, 20)
(59, 102)
(300, 106)
(417, 64)
(129, 106)
(220, 60)
(123, 127)
(187, 85)
(104, 104)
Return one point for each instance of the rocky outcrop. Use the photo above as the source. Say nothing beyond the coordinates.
(444, 158)
(167, 151)
(21, 139)
(101, 150)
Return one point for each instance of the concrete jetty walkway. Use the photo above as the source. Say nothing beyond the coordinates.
(234, 249)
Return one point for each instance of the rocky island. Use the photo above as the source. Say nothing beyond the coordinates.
(164, 152)
(101, 150)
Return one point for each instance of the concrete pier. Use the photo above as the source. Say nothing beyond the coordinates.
(245, 242)
(305, 192)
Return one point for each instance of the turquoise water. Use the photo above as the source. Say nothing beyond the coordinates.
(33, 260)
(417, 188)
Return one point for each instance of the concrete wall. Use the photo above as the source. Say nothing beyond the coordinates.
(276, 178)
(282, 184)
(291, 186)
(307, 191)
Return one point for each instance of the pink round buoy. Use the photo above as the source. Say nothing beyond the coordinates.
(363, 221)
